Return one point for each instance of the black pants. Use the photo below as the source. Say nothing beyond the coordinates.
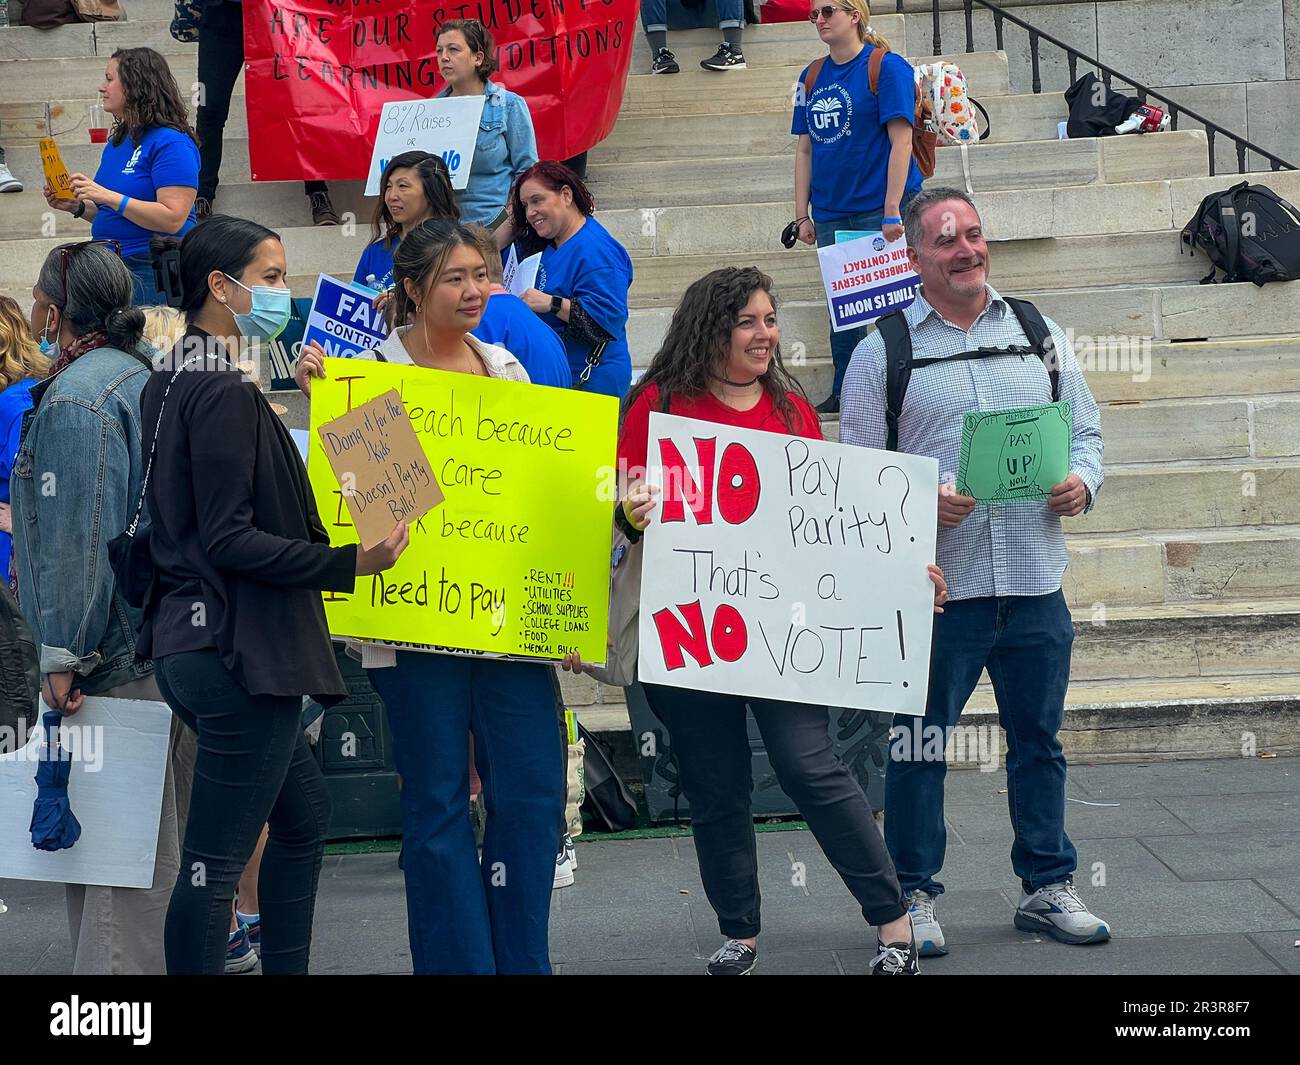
(221, 57)
(710, 744)
(253, 768)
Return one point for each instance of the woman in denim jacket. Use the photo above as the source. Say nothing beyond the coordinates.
(75, 485)
(506, 145)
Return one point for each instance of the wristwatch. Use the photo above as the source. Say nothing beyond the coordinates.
(81, 209)
(557, 304)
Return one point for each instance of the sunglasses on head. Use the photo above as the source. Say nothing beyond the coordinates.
(68, 253)
(825, 12)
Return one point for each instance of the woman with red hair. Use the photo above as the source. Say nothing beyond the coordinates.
(584, 277)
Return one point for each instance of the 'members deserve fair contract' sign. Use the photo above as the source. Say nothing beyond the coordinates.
(866, 278)
(786, 568)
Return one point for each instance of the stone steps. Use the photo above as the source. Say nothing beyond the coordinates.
(686, 222)
(1082, 262)
(1262, 372)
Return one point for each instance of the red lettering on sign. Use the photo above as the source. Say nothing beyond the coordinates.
(679, 486)
(674, 637)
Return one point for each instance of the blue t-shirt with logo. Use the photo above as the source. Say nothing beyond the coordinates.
(846, 122)
(376, 260)
(162, 157)
(509, 323)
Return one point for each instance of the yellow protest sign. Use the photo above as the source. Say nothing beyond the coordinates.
(56, 174)
(516, 559)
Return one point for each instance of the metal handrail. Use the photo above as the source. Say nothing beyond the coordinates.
(1073, 55)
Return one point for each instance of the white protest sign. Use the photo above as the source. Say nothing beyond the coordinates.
(446, 127)
(115, 787)
(524, 276)
(787, 568)
(866, 278)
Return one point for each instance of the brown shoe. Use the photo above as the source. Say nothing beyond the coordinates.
(322, 211)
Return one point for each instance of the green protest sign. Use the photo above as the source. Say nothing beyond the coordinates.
(1015, 456)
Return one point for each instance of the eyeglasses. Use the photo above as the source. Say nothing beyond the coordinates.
(824, 12)
(69, 251)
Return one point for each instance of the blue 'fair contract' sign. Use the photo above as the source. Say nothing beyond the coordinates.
(343, 320)
(865, 278)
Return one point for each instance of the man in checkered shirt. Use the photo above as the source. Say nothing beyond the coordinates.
(1004, 564)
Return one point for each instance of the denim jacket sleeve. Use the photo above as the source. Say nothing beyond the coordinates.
(89, 465)
(521, 140)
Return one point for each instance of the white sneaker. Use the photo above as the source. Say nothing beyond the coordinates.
(925, 926)
(564, 866)
(9, 183)
(571, 851)
(1057, 911)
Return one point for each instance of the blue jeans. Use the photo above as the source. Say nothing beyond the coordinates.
(654, 14)
(145, 288)
(843, 343)
(1024, 641)
(463, 917)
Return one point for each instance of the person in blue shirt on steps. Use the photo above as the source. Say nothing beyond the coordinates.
(584, 276)
(508, 323)
(148, 175)
(414, 187)
(853, 164)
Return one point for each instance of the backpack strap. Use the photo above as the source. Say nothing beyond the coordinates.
(810, 78)
(1226, 202)
(894, 331)
(1040, 339)
(873, 69)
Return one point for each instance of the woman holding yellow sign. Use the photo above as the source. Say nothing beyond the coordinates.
(720, 362)
(463, 916)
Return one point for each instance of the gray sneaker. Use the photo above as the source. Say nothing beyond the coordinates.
(925, 927)
(9, 183)
(1057, 911)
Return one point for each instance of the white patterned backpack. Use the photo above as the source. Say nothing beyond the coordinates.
(954, 121)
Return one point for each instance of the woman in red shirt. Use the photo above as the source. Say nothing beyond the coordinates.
(721, 362)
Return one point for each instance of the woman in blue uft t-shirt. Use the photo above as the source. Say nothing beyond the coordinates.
(853, 163)
(584, 276)
(148, 175)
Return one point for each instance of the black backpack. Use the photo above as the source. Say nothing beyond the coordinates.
(1249, 232)
(20, 670)
(899, 363)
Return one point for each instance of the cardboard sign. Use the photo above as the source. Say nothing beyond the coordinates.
(319, 73)
(343, 320)
(516, 560)
(115, 789)
(56, 174)
(865, 278)
(1015, 456)
(381, 468)
(787, 568)
(447, 128)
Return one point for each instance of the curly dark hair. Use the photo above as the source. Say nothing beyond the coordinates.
(436, 181)
(477, 39)
(153, 98)
(554, 176)
(694, 351)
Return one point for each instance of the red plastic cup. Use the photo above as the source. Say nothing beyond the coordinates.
(99, 136)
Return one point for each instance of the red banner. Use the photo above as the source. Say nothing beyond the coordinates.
(318, 72)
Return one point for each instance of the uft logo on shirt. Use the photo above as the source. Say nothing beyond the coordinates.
(830, 114)
(135, 158)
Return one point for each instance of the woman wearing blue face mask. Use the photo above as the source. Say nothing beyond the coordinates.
(234, 618)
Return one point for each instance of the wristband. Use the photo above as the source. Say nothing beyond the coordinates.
(121, 207)
(891, 221)
(624, 523)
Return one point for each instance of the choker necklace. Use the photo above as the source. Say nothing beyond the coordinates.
(736, 384)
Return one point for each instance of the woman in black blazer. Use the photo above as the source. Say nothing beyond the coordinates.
(234, 619)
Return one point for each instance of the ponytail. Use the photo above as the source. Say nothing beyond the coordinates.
(865, 33)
